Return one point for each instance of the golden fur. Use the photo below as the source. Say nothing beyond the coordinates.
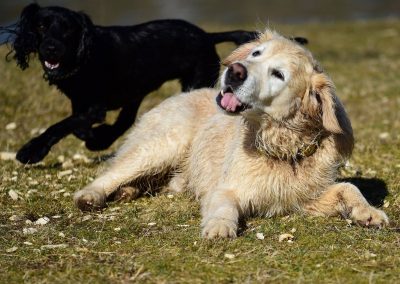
(280, 156)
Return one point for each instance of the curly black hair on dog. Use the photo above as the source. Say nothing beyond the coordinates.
(108, 68)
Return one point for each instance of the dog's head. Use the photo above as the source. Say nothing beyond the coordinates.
(59, 36)
(279, 77)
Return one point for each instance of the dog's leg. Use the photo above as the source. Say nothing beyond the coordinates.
(37, 148)
(157, 143)
(104, 135)
(346, 199)
(220, 214)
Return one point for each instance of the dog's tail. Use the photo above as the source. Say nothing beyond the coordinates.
(238, 37)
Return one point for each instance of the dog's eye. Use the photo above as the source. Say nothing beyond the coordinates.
(256, 53)
(41, 27)
(278, 74)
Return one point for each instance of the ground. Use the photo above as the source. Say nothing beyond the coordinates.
(157, 239)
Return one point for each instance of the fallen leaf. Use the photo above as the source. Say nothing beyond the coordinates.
(13, 194)
(260, 236)
(11, 249)
(285, 237)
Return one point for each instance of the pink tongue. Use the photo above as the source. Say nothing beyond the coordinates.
(229, 102)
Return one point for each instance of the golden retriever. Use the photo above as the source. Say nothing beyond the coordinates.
(269, 143)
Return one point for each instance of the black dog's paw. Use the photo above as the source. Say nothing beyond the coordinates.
(32, 152)
(102, 137)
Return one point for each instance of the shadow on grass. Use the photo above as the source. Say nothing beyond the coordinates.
(373, 189)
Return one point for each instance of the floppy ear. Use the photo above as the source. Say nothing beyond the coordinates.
(86, 35)
(322, 98)
(239, 53)
(26, 39)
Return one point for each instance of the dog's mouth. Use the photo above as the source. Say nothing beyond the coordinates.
(51, 65)
(229, 102)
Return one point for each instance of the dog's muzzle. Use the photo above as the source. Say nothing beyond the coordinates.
(235, 75)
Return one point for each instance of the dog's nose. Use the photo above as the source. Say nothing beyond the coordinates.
(236, 74)
(50, 48)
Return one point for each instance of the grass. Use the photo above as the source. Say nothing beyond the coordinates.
(158, 239)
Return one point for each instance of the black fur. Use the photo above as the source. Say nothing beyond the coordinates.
(108, 68)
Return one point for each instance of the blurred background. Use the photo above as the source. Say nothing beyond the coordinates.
(233, 12)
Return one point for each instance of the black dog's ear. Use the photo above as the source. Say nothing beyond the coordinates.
(86, 36)
(299, 40)
(25, 41)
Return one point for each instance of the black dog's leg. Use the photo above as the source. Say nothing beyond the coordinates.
(37, 148)
(104, 135)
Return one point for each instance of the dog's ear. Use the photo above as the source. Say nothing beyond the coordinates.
(322, 101)
(26, 39)
(86, 35)
(239, 53)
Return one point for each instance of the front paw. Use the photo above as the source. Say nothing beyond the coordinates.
(368, 216)
(89, 200)
(219, 227)
(101, 138)
(32, 152)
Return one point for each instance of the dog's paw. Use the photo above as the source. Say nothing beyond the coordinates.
(89, 200)
(32, 152)
(126, 194)
(218, 227)
(101, 138)
(368, 216)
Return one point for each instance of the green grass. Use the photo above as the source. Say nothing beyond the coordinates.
(118, 245)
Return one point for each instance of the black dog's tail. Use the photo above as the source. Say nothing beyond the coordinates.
(241, 37)
(238, 37)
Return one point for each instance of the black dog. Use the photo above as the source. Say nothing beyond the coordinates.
(107, 68)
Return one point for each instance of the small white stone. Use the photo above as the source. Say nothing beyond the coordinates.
(28, 243)
(386, 204)
(56, 216)
(170, 196)
(64, 173)
(13, 194)
(117, 229)
(11, 249)
(61, 159)
(183, 225)
(34, 182)
(11, 126)
(67, 164)
(260, 236)
(67, 194)
(229, 256)
(6, 156)
(384, 135)
(15, 218)
(87, 217)
(42, 221)
(84, 240)
(61, 235)
(293, 230)
(151, 224)
(285, 237)
(29, 231)
(54, 246)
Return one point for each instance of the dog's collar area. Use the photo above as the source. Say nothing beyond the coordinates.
(50, 77)
(304, 151)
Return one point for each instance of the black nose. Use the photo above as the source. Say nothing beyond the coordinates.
(236, 74)
(50, 49)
